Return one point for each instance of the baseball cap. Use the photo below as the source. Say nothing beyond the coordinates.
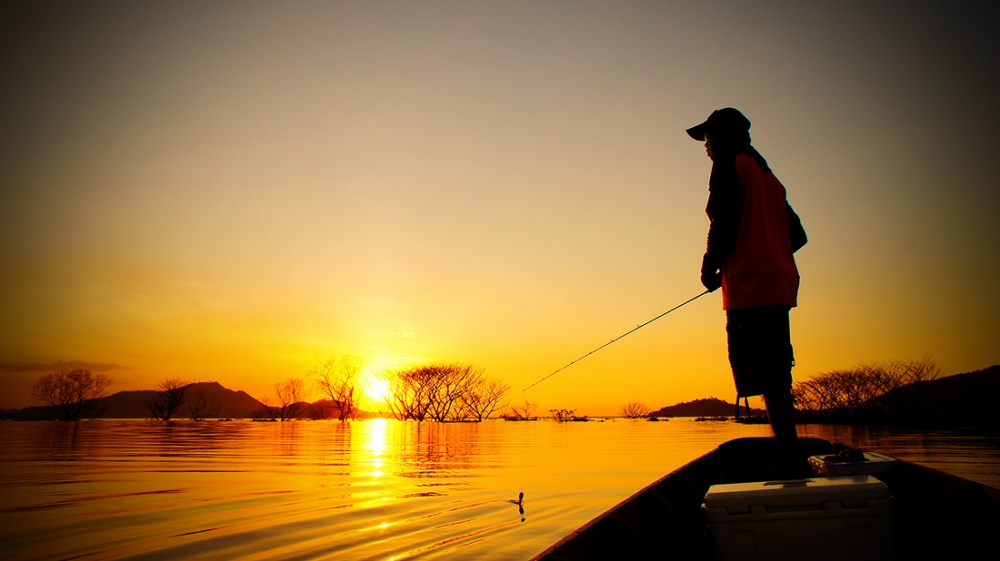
(727, 119)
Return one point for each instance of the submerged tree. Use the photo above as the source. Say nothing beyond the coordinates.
(169, 398)
(201, 406)
(562, 415)
(338, 378)
(635, 410)
(424, 392)
(451, 383)
(71, 394)
(407, 396)
(522, 412)
(290, 394)
(485, 397)
(444, 392)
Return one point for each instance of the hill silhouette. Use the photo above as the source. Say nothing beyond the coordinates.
(223, 401)
(219, 401)
(968, 399)
(711, 407)
(134, 404)
(959, 400)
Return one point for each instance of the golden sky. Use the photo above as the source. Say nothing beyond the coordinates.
(232, 191)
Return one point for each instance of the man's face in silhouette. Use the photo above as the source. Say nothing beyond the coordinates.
(708, 146)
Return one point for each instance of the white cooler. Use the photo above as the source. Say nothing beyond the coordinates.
(816, 519)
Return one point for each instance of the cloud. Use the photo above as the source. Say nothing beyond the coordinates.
(59, 365)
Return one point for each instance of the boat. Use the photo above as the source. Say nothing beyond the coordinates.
(935, 515)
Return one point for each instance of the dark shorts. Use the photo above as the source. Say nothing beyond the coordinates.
(760, 349)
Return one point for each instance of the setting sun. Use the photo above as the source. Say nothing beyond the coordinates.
(376, 389)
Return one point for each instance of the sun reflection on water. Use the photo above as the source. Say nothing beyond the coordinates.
(374, 441)
(375, 431)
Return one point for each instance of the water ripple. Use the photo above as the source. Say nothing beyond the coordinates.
(362, 490)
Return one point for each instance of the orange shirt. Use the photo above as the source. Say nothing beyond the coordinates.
(761, 269)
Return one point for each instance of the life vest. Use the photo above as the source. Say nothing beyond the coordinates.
(761, 270)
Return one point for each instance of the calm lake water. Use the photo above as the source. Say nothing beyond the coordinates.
(374, 489)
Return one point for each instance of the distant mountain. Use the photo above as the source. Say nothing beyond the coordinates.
(221, 401)
(711, 407)
(211, 397)
(126, 405)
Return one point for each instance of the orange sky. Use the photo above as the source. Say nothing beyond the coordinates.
(233, 191)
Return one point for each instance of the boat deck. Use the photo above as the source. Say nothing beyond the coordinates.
(935, 515)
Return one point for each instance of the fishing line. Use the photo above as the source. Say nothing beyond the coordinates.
(521, 450)
(520, 497)
(630, 331)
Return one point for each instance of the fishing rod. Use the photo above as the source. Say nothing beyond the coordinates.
(623, 335)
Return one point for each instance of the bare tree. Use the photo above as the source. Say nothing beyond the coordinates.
(562, 415)
(635, 410)
(398, 397)
(71, 394)
(338, 378)
(405, 397)
(441, 392)
(452, 382)
(484, 397)
(290, 394)
(522, 412)
(852, 390)
(201, 406)
(412, 391)
(169, 397)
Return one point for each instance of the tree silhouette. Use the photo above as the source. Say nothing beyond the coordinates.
(562, 415)
(635, 410)
(201, 407)
(169, 398)
(522, 412)
(450, 384)
(444, 392)
(71, 394)
(484, 397)
(290, 394)
(853, 390)
(337, 378)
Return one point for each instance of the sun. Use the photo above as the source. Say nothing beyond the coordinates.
(376, 388)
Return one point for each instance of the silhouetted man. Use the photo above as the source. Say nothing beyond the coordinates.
(752, 235)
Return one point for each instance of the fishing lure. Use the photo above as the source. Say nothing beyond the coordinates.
(519, 502)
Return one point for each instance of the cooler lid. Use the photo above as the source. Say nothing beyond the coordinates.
(852, 491)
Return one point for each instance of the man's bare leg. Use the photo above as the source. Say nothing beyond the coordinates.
(781, 414)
